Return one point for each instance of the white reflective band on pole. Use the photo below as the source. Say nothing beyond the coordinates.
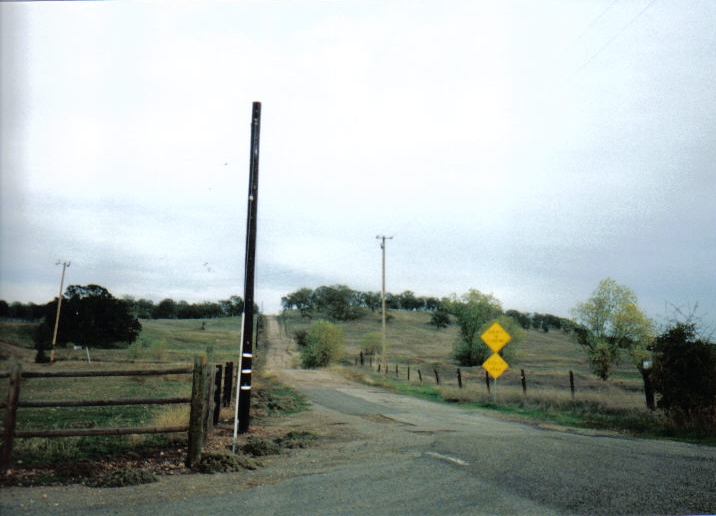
(238, 382)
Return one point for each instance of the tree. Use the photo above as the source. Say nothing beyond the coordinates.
(324, 344)
(473, 313)
(684, 375)
(440, 319)
(302, 300)
(90, 316)
(233, 306)
(372, 300)
(408, 301)
(166, 309)
(370, 343)
(608, 322)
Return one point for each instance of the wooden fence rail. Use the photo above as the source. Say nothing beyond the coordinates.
(199, 427)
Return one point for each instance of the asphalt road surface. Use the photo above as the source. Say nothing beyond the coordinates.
(399, 455)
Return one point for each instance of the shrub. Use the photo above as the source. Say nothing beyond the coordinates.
(261, 447)
(324, 344)
(300, 337)
(440, 319)
(296, 439)
(225, 462)
(123, 477)
(684, 375)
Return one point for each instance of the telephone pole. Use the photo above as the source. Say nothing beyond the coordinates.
(57, 317)
(243, 399)
(382, 246)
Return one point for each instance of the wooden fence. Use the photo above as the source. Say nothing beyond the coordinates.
(204, 402)
(440, 376)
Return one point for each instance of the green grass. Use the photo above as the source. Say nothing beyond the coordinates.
(18, 334)
(162, 343)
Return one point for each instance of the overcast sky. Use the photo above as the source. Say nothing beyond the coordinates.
(523, 148)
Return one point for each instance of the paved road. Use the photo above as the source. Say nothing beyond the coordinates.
(401, 455)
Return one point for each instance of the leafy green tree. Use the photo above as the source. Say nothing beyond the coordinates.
(302, 300)
(324, 344)
(408, 301)
(684, 375)
(371, 343)
(472, 314)
(371, 300)
(233, 306)
(608, 322)
(90, 316)
(166, 309)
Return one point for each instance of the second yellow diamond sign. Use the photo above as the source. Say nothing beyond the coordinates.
(495, 365)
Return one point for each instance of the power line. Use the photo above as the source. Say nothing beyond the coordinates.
(612, 39)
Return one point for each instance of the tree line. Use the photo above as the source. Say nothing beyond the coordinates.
(139, 308)
(342, 303)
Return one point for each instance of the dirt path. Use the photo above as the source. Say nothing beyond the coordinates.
(283, 359)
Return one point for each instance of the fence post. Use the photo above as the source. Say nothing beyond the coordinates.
(408, 373)
(209, 387)
(396, 370)
(459, 378)
(197, 412)
(487, 381)
(524, 382)
(217, 393)
(437, 378)
(571, 383)
(12, 398)
(228, 383)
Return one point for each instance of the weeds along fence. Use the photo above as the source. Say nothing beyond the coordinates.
(205, 403)
(440, 375)
(516, 383)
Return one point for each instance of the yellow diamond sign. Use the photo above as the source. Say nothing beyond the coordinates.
(495, 365)
(495, 337)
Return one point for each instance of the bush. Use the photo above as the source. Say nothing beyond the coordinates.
(440, 319)
(684, 375)
(300, 338)
(261, 447)
(225, 462)
(324, 344)
(123, 477)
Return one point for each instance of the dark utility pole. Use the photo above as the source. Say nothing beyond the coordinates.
(244, 398)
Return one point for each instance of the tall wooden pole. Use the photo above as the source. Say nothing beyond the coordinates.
(244, 397)
(384, 360)
(57, 317)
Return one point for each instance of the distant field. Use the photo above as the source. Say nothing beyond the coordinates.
(547, 359)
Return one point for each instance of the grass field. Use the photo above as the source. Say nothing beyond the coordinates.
(161, 343)
(546, 358)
